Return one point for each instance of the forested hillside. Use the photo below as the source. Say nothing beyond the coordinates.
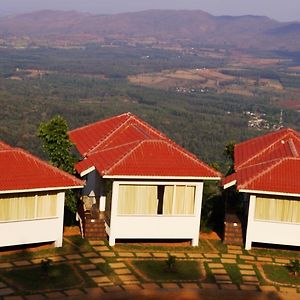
(86, 85)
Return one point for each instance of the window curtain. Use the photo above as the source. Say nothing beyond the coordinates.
(143, 200)
(137, 200)
(184, 200)
(190, 192)
(46, 206)
(29, 207)
(168, 200)
(17, 208)
(282, 210)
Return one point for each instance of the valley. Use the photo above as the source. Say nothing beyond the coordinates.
(201, 95)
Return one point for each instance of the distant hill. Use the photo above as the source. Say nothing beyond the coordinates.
(154, 26)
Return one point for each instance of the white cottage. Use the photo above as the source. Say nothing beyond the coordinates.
(147, 186)
(267, 173)
(32, 195)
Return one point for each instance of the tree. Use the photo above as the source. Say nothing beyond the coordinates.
(56, 144)
(229, 154)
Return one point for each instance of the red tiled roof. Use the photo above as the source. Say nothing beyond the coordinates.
(273, 168)
(21, 171)
(87, 137)
(279, 176)
(134, 148)
(283, 176)
(247, 152)
(113, 131)
(147, 158)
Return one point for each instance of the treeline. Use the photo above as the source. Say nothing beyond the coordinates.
(113, 62)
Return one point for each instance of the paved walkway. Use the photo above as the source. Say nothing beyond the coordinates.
(120, 278)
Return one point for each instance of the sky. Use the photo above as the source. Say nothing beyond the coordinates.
(281, 10)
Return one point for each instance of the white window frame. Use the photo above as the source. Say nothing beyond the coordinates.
(174, 185)
(35, 209)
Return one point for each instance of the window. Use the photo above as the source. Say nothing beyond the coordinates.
(153, 199)
(277, 209)
(137, 200)
(27, 207)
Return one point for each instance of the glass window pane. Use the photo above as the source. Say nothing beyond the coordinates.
(283, 210)
(46, 206)
(16, 208)
(137, 200)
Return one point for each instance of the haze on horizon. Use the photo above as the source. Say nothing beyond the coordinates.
(281, 10)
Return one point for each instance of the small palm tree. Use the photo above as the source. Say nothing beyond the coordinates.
(294, 267)
(171, 263)
(45, 266)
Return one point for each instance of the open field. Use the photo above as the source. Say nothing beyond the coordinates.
(191, 80)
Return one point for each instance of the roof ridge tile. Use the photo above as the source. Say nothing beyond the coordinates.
(293, 147)
(264, 150)
(170, 144)
(101, 141)
(259, 175)
(48, 165)
(130, 121)
(98, 122)
(122, 158)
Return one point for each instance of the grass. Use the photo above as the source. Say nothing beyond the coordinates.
(157, 270)
(259, 276)
(209, 275)
(234, 273)
(282, 253)
(35, 279)
(202, 248)
(218, 244)
(280, 274)
(71, 245)
(105, 268)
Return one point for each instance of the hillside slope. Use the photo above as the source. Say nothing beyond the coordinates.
(183, 26)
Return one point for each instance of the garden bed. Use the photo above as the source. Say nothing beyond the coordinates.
(35, 279)
(280, 275)
(157, 270)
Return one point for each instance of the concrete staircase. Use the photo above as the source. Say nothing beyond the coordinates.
(94, 227)
(233, 232)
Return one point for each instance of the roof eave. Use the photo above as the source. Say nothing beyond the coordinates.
(161, 177)
(41, 189)
(87, 171)
(268, 193)
(229, 184)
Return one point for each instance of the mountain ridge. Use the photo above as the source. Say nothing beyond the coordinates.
(169, 26)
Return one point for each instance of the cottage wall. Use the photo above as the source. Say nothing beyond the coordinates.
(35, 231)
(270, 231)
(158, 226)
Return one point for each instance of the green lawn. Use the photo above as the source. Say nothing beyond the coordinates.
(34, 279)
(276, 253)
(209, 278)
(280, 274)
(203, 247)
(218, 244)
(71, 245)
(234, 273)
(157, 270)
